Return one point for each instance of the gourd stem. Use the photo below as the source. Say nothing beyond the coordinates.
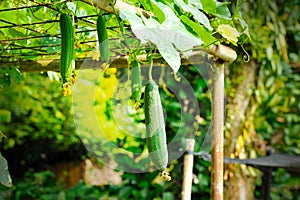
(150, 70)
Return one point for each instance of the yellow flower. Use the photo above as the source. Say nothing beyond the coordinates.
(95, 55)
(228, 32)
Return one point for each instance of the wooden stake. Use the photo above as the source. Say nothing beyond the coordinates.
(188, 170)
(217, 131)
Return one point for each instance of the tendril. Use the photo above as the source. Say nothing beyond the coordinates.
(246, 57)
(177, 78)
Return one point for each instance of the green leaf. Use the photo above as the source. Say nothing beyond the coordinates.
(196, 3)
(164, 44)
(168, 196)
(125, 191)
(49, 41)
(2, 35)
(4, 80)
(71, 6)
(4, 174)
(209, 6)
(149, 5)
(146, 4)
(222, 10)
(198, 15)
(240, 24)
(203, 33)
(16, 75)
(2, 135)
(5, 116)
(170, 37)
(158, 12)
(15, 32)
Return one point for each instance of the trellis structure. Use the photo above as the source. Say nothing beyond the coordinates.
(37, 48)
(39, 39)
(23, 51)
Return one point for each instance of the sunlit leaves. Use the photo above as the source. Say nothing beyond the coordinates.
(16, 75)
(197, 14)
(200, 31)
(38, 115)
(170, 20)
(209, 6)
(223, 11)
(146, 4)
(240, 24)
(170, 37)
(149, 5)
(9, 75)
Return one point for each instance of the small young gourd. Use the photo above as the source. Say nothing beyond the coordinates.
(136, 83)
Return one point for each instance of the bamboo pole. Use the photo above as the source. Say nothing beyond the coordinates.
(188, 170)
(217, 131)
(225, 53)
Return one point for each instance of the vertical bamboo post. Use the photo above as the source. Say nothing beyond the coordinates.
(188, 170)
(217, 131)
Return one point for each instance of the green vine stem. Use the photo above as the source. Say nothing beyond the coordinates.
(121, 28)
(150, 69)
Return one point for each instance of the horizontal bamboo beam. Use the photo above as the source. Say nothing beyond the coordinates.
(221, 51)
(81, 64)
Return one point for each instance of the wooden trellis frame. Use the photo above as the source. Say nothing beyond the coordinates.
(222, 53)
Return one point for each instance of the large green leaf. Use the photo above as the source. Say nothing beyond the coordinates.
(209, 6)
(197, 14)
(146, 4)
(170, 37)
(204, 34)
(158, 13)
(222, 10)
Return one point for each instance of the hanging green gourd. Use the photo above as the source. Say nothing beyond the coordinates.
(136, 83)
(155, 127)
(103, 39)
(67, 62)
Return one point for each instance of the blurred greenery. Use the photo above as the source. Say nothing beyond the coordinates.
(41, 126)
(271, 120)
(37, 103)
